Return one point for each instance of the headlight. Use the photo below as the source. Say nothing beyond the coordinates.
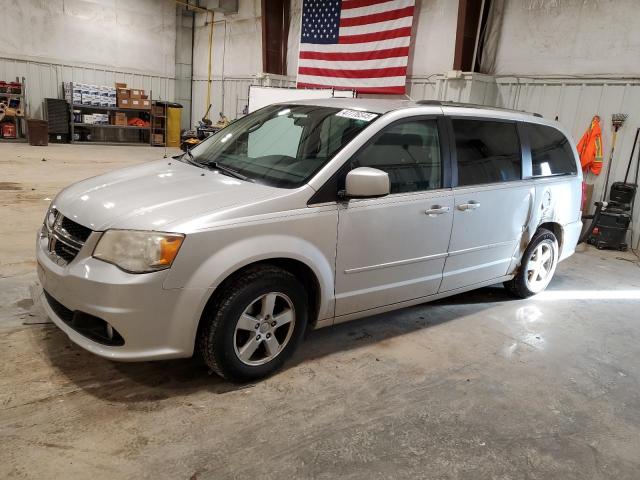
(138, 252)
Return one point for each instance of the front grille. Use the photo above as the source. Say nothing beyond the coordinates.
(66, 252)
(66, 238)
(90, 326)
(75, 230)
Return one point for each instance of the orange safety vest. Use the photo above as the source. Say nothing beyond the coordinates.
(590, 147)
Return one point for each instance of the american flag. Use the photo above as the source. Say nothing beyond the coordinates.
(360, 45)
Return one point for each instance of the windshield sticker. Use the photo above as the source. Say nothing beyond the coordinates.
(357, 115)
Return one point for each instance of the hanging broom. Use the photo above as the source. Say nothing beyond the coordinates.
(617, 119)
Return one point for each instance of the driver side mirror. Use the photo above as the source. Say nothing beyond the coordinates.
(366, 182)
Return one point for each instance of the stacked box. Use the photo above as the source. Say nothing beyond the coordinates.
(72, 94)
(86, 94)
(119, 118)
(95, 118)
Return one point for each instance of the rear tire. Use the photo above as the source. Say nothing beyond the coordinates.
(538, 265)
(254, 324)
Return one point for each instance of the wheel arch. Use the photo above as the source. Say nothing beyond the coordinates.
(296, 267)
(556, 229)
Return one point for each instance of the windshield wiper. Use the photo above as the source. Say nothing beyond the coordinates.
(229, 171)
(188, 156)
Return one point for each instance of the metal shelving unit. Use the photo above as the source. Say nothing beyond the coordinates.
(159, 124)
(108, 127)
(19, 122)
(103, 125)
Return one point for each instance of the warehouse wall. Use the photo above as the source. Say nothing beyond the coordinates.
(569, 37)
(90, 41)
(236, 60)
(184, 30)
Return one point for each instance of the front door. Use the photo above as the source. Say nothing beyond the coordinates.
(393, 249)
(491, 202)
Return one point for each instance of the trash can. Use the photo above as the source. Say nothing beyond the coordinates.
(38, 132)
(174, 111)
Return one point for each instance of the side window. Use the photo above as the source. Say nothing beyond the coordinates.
(487, 151)
(551, 153)
(409, 152)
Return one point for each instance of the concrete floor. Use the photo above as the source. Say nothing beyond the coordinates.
(476, 386)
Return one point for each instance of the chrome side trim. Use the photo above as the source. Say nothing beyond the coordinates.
(481, 247)
(396, 263)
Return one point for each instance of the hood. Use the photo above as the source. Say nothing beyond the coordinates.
(154, 195)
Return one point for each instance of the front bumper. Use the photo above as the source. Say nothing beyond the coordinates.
(155, 323)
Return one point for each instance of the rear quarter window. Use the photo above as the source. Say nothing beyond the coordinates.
(487, 151)
(551, 152)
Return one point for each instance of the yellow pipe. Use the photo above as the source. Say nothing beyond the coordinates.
(193, 7)
(207, 109)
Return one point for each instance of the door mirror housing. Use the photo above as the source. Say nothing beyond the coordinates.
(366, 182)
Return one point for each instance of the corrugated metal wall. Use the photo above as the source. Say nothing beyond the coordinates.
(230, 93)
(44, 80)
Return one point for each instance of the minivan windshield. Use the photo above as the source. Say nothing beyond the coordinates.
(281, 145)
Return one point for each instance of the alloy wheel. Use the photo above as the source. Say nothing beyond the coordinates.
(540, 266)
(264, 329)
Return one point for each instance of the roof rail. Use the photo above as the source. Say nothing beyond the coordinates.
(471, 105)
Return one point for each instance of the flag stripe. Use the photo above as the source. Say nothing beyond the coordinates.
(355, 83)
(375, 36)
(382, 90)
(359, 65)
(347, 4)
(383, 7)
(364, 73)
(348, 56)
(376, 27)
(355, 47)
(377, 17)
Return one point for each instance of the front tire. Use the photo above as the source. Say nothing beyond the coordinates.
(254, 324)
(538, 265)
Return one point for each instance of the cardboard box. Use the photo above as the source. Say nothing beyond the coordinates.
(139, 104)
(158, 139)
(123, 93)
(137, 94)
(120, 85)
(124, 103)
(119, 118)
(158, 111)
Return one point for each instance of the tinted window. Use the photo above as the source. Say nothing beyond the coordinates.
(551, 153)
(487, 151)
(409, 152)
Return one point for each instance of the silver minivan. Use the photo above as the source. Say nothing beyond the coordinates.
(307, 214)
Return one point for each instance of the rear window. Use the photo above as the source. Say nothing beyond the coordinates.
(551, 152)
(487, 151)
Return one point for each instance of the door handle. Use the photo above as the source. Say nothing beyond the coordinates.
(472, 205)
(436, 210)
